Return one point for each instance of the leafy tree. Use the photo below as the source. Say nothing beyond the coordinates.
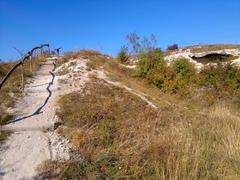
(148, 61)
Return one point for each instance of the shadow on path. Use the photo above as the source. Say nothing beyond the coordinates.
(38, 111)
(38, 85)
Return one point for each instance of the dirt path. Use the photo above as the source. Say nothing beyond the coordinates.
(31, 143)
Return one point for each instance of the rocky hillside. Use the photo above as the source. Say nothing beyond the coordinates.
(90, 116)
(207, 54)
(125, 127)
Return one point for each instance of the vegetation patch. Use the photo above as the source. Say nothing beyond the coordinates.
(83, 53)
(3, 135)
(117, 137)
(123, 56)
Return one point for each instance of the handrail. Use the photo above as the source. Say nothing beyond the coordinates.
(57, 50)
(27, 56)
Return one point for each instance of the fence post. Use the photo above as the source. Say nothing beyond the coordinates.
(22, 73)
(49, 50)
(30, 58)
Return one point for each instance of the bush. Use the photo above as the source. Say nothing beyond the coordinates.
(122, 56)
(171, 79)
(184, 67)
(223, 78)
(148, 61)
(172, 47)
(181, 76)
(161, 75)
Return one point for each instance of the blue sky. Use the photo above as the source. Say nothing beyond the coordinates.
(103, 24)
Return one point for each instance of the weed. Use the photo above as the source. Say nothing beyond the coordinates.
(122, 56)
(3, 135)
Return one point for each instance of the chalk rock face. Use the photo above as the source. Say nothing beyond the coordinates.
(236, 62)
(187, 54)
(184, 54)
(234, 52)
(133, 60)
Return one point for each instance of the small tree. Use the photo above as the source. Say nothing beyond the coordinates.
(148, 61)
(122, 56)
(148, 44)
(133, 40)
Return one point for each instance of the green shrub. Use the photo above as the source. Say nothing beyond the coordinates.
(223, 78)
(123, 56)
(148, 61)
(184, 75)
(171, 79)
(161, 74)
(178, 85)
(184, 67)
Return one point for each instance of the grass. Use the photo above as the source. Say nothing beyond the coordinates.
(117, 136)
(127, 77)
(3, 135)
(83, 53)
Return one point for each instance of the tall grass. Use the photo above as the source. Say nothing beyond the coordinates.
(118, 137)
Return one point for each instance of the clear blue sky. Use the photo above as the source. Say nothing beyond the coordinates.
(103, 24)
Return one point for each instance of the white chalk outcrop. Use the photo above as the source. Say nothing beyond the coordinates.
(187, 54)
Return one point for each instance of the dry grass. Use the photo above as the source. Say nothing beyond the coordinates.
(118, 137)
(3, 135)
(211, 47)
(128, 77)
(84, 53)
